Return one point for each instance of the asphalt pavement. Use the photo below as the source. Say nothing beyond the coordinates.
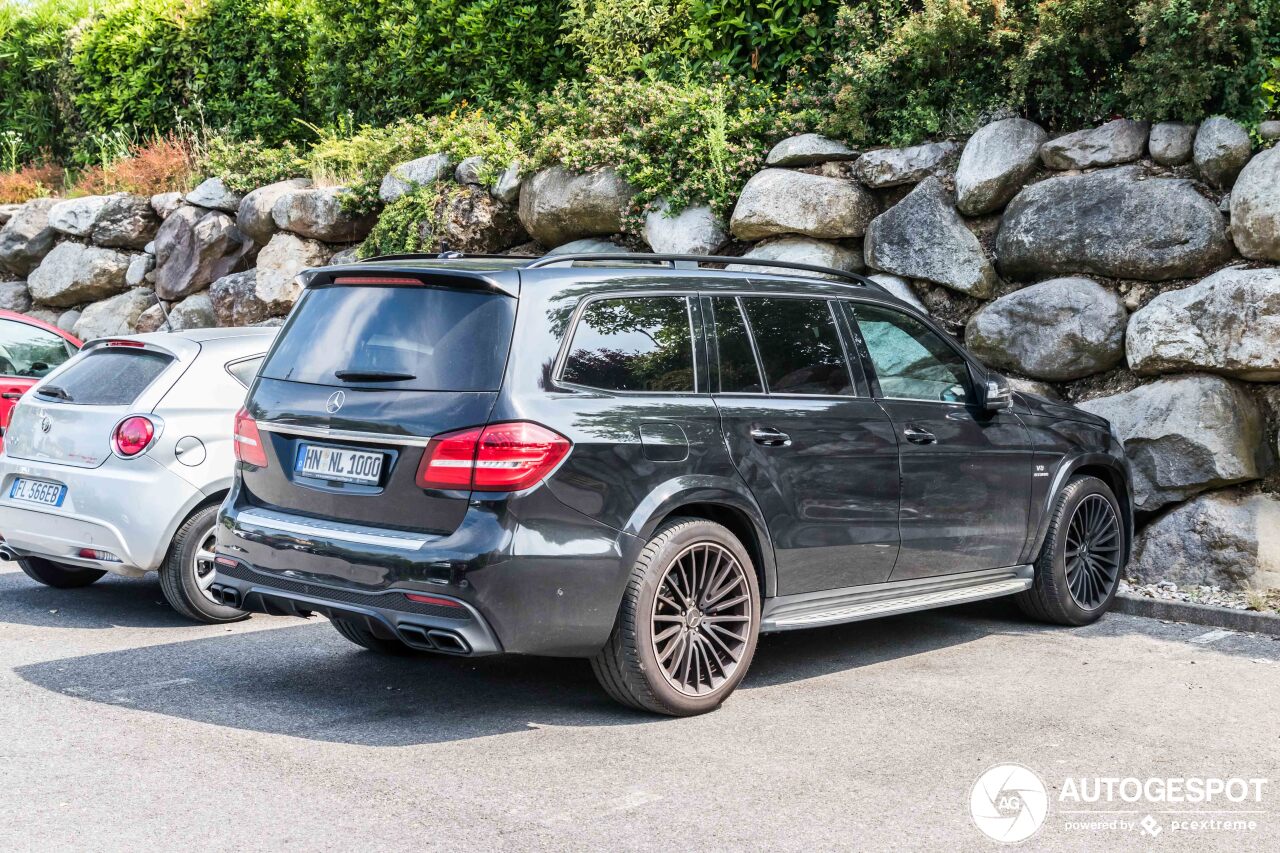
(122, 727)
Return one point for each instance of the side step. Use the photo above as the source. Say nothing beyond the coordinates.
(809, 610)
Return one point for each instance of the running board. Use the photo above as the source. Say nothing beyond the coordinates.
(853, 604)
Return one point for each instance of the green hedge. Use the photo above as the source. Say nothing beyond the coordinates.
(33, 38)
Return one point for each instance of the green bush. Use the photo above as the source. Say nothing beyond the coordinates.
(763, 38)
(32, 40)
(408, 223)
(380, 60)
(614, 36)
(245, 165)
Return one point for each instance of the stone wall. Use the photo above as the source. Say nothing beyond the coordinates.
(1128, 268)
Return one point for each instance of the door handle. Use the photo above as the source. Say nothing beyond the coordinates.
(770, 437)
(915, 435)
(12, 395)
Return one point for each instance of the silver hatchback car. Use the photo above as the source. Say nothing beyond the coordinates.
(117, 462)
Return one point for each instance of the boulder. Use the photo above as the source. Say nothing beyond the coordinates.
(800, 250)
(587, 246)
(152, 320)
(900, 288)
(14, 296)
(808, 149)
(73, 273)
(118, 315)
(7, 211)
(279, 263)
(892, 167)
(27, 237)
(235, 300)
(1221, 149)
(777, 202)
(922, 236)
(76, 217)
(165, 204)
(995, 163)
(694, 231)
(317, 213)
(1269, 130)
(254, 216)
(1171, 141)
(1186, 435)
(49, 315)
(349, 255)
(1118, 141)
(126, 222)
(507, 188)
(404, 177)
(1255, 208)
(557, 206)
(194, 312)
(139, 267)
(1229, 323)
(66, 321)
(195, 247)
(1058, 330)
(1229, 539)
(468, 171)
(214, 195)
(1112, 223)
(1030, 386)
(470, 220)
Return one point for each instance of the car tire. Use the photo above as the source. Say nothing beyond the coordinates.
(188, 568)
(362, 636)
(58, 575)
(682, 643)
(1082, 559)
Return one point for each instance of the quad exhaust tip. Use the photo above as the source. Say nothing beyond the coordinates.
(433, 639)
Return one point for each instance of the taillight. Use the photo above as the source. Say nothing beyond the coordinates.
(498, 458)
(248, 442)
(133, 435)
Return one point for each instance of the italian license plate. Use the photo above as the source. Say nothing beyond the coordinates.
(37, 491)
(339, 463)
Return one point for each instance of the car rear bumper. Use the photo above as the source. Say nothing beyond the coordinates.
(526, 576)
(127, 508)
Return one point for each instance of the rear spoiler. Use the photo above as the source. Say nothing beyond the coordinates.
(365, 275)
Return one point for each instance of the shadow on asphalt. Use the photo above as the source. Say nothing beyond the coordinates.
(111, 602)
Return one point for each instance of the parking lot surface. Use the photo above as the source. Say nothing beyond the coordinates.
(126, 728)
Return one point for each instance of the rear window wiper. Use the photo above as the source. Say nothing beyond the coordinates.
(373, 376)
(55, 392)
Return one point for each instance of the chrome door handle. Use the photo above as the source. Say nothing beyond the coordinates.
(770, 437)
(12, 395)
(915, 435)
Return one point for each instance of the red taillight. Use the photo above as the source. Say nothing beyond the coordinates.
(431, 599)
(133, 435)
(498, 458)
(248, 441)
(134, 344)
(376, 280)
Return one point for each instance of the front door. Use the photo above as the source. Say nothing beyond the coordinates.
(966, 472)
(818, 454)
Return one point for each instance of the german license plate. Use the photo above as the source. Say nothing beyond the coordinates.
(37, 491)
(339, 463)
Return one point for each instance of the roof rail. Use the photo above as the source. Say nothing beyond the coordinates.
(676, 261)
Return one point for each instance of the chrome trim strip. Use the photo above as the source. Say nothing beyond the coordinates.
(268, 520)
(345, 435)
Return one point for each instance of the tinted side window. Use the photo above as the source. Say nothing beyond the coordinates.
(28, 351)
(107, 377)
(634, 343)
(912, 361)
(738, 370)
(798, 344)
(245, 370)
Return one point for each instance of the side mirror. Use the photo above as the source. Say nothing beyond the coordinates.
(998, 395)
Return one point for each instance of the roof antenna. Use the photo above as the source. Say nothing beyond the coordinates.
(165, 311)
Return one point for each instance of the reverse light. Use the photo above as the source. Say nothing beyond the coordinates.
(133, 435)
(248, 441)
(505, 457)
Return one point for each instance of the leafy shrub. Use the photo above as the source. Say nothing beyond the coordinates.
(381, 60)
(406, 225)
(162, 164)
(614, 36)
(34, 180)
(762, 39)
(249, 164)
(32, 40)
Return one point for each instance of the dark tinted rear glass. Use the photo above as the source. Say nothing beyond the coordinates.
(799, 345)
(106, 377)
(635, 343)
(738, 371)
(416, 338)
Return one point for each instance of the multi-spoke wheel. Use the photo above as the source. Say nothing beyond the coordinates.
(687, 628)
(1079, 567)
(188, 571)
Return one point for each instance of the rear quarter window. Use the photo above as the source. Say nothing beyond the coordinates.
(106, 377)
(633, 343)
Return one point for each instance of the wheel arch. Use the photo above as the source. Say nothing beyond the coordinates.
(1108, 469)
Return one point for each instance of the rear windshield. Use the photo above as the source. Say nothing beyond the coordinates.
(106, 377)
(406, 338)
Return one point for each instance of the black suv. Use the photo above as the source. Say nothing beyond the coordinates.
(648, 462)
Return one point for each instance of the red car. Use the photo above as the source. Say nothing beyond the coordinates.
(29, 350)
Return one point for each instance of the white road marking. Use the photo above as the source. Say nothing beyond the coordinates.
(1212, 636)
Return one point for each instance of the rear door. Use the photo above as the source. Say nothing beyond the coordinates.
(966, 472)
(27, 354)
(817, 452)
(359, 380)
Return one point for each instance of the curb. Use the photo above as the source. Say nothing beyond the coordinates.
(1197, 614)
